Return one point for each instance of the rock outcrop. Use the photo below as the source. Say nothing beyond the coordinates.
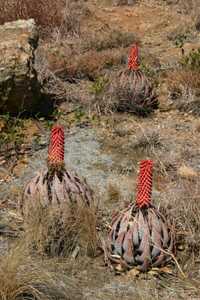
(19, 87)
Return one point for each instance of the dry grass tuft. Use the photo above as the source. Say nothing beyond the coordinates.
(148, 139)
(185, 212)
(114, 194)
(63, 231)
(45, 12)
(64, 15)
(184, 86)
(23, 278)
(183, 80)
(109, 39)
(90, 64)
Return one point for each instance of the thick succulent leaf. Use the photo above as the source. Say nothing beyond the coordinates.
(156, 233)
(35, 190)
(70, 183)
(58, 195)
(73, 184)
(134, 231)
(128, 248)
(124, 222)
(115, 228)
(118, 244)
(159, 260)
(165, 234)
(144, 247)
(141, 224)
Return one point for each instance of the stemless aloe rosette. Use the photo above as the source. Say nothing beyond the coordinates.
(132, 89)
(140, 235)
(55, 184)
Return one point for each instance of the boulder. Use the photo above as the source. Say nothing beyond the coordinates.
(19, 86)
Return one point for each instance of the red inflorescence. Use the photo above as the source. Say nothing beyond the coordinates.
(56, 146)
(133, 59)
(144, 191)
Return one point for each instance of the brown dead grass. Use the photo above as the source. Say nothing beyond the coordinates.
(185, 212)
(84, 65)
(23, 277)
(62, 15)
(184, 87)
(45, 12)
(108, 39)
(183, 79)
(62, 231)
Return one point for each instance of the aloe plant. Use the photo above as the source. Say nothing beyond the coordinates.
(132, 89)
(55, 185)
(140, 235)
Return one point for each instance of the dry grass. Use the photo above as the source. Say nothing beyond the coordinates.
(87, 65)
(114, 194)
(108, 39)
(55, 69)
(62, 231)
(189, 7)
(184, 86)
(183, 80)
(64, 15)
(45, 12)
(23, 278)
(185, 211)
(148, 140)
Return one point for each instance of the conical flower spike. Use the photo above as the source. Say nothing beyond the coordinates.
(56, 147)
(143, 198)
(133, 59)
(140, 235)
(55, 185)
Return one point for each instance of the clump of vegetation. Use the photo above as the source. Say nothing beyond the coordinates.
(10, 128)
(114, 194)
(187, 221)
(123, 2)
(22, 278)
(98, 86)
(192, 60)
(147, 141)
(62, 15)
(11, 134)
(62, 232)
(184, 86)
(46, 13)
(91, 64)
(109, 40)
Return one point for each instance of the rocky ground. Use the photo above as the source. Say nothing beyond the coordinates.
(106, 148)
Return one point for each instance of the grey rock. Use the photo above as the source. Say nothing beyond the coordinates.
(19, 87)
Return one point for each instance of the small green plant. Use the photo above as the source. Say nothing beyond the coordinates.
(79, 114)
(98, 86)
(180, 40)
(148, 70)
(11, 131)
(192, 60)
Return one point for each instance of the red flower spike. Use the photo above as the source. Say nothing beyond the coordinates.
(144, 191)
(56, 146)
(133, 59)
